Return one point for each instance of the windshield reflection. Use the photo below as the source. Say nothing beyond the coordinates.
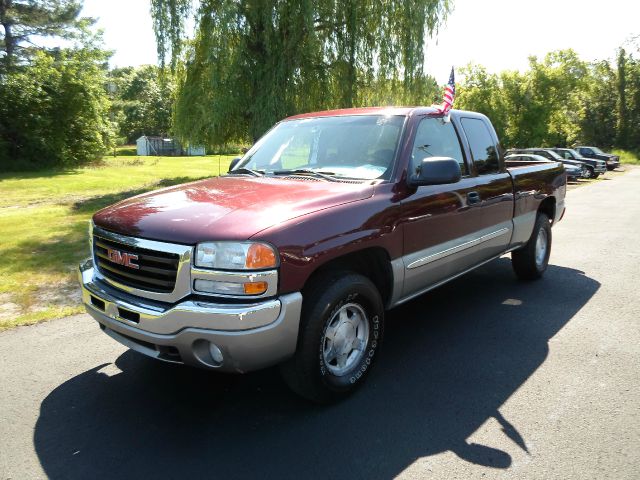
(355, 146)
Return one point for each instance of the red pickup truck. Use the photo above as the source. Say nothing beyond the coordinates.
(329, 220)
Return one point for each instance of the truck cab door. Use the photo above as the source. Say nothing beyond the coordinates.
(449, 229)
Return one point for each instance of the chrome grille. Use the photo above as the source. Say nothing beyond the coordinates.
(157, 270)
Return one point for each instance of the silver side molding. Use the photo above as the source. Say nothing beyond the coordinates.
(458, 248)
(442, 282)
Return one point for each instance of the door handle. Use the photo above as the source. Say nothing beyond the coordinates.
(473, 197)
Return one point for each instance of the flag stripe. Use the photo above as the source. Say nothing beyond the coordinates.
(449, 95)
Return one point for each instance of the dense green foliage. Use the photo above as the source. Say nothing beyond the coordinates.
(141, 101)
(54, 111)
(250, 63)
(25, 22)
(253, 62)
(559, 101)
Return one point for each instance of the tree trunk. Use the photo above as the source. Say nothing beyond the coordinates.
(9, 40)
(622, 137)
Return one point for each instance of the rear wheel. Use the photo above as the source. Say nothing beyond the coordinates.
(340, 334)
(530, 261)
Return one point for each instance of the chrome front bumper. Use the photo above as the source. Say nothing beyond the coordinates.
(249, 336)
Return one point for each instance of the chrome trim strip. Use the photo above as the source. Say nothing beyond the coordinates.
(463, 246)
(442, 282)
(269, 276)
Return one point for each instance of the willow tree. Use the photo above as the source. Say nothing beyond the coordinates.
(252, 62)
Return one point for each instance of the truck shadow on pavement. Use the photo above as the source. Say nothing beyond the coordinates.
(451, 358)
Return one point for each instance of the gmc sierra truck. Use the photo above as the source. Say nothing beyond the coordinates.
(329, 220)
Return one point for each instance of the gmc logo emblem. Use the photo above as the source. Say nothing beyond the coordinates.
(122, 258)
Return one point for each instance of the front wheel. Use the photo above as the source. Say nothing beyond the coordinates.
(340, 333)
(530, 261)
(587, 172)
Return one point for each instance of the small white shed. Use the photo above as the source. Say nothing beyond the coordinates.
(159, 146)
(141, 146)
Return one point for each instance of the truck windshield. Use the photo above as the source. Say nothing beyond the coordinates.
(355, 146)
(554, 154)
(597, 150)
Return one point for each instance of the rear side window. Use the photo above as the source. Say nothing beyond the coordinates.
(436, 138)
(483, 148)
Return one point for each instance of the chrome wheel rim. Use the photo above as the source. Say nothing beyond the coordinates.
(345, 339)
(586, 173)
(541, 247)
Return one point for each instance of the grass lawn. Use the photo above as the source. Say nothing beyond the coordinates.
(44, 219)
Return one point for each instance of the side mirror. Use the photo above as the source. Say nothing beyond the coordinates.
(233, 163)
(436, 171)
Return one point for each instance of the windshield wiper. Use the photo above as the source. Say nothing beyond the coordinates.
(303, 171)
(245, 171)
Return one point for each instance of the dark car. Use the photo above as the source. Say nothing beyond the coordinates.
(573, 168)
(594, 167)
(522, 160)
(613, 161)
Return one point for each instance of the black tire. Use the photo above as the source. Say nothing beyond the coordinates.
(526, 263)
(307, 373)
(587, 172)
(595, 175)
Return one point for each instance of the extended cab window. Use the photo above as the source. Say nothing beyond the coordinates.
(436, 138)
(483, 148)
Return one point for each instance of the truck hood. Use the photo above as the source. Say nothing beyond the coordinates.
(574, 163)
(224, 208)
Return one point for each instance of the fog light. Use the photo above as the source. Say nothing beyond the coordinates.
(211, 286)
(216, 353)
(229, 288)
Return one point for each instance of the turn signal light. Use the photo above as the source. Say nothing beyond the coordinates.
(260, 256)
(255, 288)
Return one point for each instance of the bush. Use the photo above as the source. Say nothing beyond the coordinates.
(628, 156)
(54, 111)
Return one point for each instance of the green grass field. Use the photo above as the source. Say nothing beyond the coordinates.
(44, 219)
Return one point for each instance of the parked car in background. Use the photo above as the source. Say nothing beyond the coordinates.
(573, 168)
(594, 166)
(613, 161)
(522, 160)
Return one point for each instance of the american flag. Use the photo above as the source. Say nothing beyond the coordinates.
(449, 94)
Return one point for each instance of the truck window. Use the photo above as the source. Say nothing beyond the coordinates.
(483, 148)
(436, 138)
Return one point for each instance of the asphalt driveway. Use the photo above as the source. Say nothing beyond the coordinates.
(484, 377)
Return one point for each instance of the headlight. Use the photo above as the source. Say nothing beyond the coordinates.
(235, 256)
